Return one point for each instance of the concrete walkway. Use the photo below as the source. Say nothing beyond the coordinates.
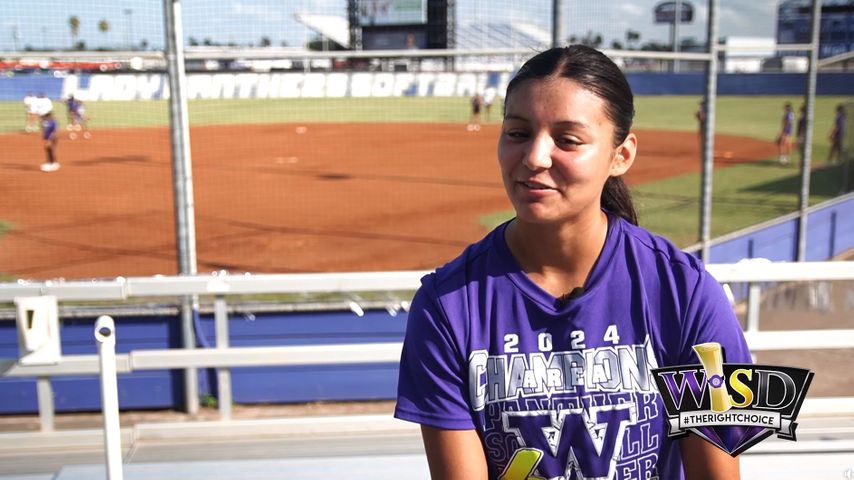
(358, 447)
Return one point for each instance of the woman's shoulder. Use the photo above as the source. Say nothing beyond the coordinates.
(466, 267)
(658, 249)
(474, 256)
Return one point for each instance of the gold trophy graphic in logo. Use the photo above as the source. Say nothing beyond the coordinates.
(711, 356)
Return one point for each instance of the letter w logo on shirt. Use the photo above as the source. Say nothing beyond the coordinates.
(554, 443)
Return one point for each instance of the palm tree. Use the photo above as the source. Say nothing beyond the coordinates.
(74, 25)
(104, 26)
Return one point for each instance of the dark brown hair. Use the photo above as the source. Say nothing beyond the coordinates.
(597, 73)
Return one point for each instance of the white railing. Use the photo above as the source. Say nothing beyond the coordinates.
(756, 270)
(136, 287)
(225, 357)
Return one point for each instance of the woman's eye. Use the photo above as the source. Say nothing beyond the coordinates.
(568, 141)
(516, 134)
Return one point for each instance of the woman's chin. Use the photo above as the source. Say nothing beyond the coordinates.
(536, 214)
(543, 214)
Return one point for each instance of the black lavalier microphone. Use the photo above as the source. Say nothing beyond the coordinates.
(571, 295)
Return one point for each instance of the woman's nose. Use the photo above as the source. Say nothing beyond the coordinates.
(539, 155)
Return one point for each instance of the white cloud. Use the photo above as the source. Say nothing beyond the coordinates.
(258, 12)
(747, 20)
(632, 9)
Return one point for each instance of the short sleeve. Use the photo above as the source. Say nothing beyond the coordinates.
(432, 386)
(710, 318)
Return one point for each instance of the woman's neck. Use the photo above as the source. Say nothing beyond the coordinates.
(558, 257)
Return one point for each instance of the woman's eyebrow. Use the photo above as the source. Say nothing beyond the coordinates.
(573, 124)
(562, 123)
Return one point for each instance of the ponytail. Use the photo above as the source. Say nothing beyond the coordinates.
(617, 199)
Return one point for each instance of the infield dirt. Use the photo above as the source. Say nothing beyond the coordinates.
(276, 198)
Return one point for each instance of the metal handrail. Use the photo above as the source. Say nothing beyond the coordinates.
(124, 288)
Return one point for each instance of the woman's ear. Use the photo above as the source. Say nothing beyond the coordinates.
(624, 156)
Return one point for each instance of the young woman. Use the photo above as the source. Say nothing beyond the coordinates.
(529, 355)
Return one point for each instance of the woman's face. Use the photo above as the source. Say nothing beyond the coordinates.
(556, 150)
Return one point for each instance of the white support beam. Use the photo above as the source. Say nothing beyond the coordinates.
(267, 356)
(62, 290)
(827, 406)
(274, 283)
(767, 271)
(69, 365)
(800, 340)
(173, 286)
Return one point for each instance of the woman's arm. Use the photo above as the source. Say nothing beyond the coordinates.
(454, 454)
(704, 461)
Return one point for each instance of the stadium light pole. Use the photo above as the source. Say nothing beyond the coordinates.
(182, 176)
(677, 20)
(558, 32)
(806, 161)
(129, 30)
(709, 133)
(16, 36)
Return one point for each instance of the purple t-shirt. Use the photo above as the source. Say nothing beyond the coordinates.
(565, 386)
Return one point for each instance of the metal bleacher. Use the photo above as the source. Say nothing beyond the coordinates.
(501, 35)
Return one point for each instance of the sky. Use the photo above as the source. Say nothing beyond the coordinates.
(44, 23)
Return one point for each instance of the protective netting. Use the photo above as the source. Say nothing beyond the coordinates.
(336, 135)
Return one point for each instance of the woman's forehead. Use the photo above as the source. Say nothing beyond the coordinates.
(554, 96)
(551, 86)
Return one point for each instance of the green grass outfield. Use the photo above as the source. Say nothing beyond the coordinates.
(669, 207)
(248, 111)
(757, 117)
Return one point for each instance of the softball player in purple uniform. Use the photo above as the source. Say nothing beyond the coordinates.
(49, 137)
(76, 118)
(529, 355)
(837, 133)
(784, 141)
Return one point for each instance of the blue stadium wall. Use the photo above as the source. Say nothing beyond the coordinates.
(383, 84)
(163, 389)
(830, 233)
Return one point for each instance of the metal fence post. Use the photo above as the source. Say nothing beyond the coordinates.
(677, 21)
(44, 392)
(753, 299)
(558, 31)
(185, 227)
(806, 162)
(223, 375)
(105, 335)
(709, 133)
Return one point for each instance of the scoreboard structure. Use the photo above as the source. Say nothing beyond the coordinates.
(401, 24)
(837, 25)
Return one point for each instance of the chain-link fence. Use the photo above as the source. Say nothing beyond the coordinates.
(336, 136)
